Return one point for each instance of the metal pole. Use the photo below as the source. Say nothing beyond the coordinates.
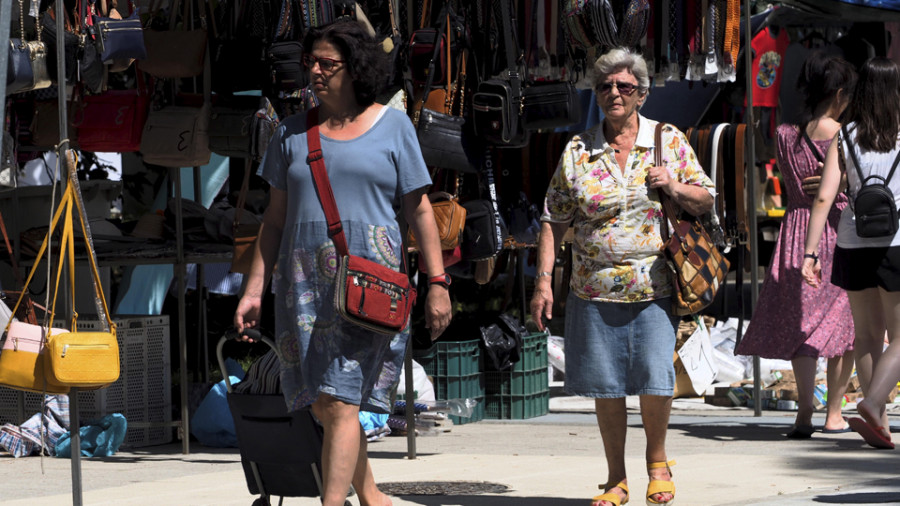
(175, 176)
(750, 172)
(61, 153)
(410, 402)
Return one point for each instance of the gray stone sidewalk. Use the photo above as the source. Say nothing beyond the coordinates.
(724, 457)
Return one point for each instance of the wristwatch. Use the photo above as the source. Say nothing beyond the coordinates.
(440, 279)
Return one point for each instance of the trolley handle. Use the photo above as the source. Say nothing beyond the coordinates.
(253, 334)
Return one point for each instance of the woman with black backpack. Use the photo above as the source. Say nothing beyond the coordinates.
(867, 255)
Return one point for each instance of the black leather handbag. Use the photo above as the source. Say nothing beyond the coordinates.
(496, 114)
(550, 105)
(241, 127)
(481, 237)
(443, 138)
(497, 105)
(81, 58)
(285, 66)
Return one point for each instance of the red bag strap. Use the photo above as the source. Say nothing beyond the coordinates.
(323, 188)
(323, 185)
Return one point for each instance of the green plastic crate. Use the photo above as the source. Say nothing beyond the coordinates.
(455, 370)
(451, 358)
(534, 353)
(516, 382)
(516, 407)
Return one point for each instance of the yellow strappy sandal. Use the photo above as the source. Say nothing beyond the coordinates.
(660, 486)
(612, 496)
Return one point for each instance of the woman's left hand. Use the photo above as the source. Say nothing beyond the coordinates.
(811, 272)
(658, 177)
(437, 310)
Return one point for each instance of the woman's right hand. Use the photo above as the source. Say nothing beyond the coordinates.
(542, 302)
(247, 314)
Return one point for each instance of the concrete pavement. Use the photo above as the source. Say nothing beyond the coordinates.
(724, 457)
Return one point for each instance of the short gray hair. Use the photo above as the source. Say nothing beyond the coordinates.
(620, 58)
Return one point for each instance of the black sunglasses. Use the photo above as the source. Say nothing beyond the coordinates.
(624, 88)
(325, 64)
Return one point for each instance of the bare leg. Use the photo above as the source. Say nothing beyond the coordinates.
(837, 379)
(887, 370)
(364, 480)
(340, 447)
(655, 410)
(613, 421)
(805, 374)
(869, 321)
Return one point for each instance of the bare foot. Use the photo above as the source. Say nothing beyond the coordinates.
(835, 423)
(379, 499)
(876, 420)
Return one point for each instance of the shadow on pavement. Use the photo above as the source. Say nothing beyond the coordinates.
(860, 498)
(492, 500)
(731, 431)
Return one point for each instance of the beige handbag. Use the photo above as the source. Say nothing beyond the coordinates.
(178, 136)
(174, 53)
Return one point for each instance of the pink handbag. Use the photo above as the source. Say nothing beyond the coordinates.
(22, 361)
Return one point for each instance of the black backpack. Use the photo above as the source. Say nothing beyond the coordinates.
(873, 205)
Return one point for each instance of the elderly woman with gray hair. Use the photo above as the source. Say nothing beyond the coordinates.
(619, 330)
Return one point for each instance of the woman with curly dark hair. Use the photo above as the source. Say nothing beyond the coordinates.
(375, 166)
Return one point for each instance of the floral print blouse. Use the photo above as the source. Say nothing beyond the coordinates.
(617, 250)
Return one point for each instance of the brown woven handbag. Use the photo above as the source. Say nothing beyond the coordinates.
(698, 267)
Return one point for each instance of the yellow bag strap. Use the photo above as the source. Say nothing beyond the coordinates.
(72, 196)
(37, 259)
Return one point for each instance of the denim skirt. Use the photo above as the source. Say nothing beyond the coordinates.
(615, 349)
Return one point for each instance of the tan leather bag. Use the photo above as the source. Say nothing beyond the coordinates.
(450, 217)
(175, 53)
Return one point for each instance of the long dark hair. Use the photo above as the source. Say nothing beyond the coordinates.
(367, 62)
(876, 105)
(821, 76)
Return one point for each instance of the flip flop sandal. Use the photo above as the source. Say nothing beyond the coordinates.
(612, 497)
(660, 486)
(873, 435)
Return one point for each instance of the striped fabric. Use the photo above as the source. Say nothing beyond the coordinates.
(24, 440)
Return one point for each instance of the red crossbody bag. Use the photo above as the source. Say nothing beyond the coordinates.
(366, 293)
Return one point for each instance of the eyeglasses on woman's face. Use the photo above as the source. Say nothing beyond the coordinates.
(624, 88)
(325, 64)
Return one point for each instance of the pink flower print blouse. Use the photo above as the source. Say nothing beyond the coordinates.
(617, 250)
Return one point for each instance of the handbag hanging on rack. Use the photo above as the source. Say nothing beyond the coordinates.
(117, 39)
(178, 135)
(114, 120)
(698, 268)
(366, 293)
(443, 137)
(27, 67)
(243, 232)
(41, 359)
(174, 53)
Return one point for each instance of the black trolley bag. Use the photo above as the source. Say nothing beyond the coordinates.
(281, 452)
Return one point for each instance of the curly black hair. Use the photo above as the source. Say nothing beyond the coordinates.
(365, 58)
